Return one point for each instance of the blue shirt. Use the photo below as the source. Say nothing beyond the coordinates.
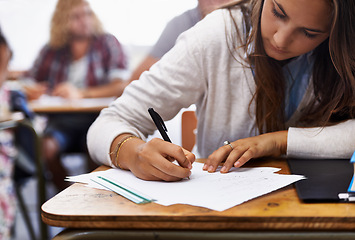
(297, 75)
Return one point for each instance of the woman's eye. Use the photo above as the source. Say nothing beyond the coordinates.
(309, 35)
(277, 14)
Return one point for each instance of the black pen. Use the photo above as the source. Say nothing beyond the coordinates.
(158, 121)
(160, 124)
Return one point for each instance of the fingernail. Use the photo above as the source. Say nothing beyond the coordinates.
(210, 169)
(204, 167)
(224, 168)
(237, 164)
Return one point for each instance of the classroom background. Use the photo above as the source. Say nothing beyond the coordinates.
(137, 24)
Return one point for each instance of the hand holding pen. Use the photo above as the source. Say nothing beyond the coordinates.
(152, 160)
(159, 123)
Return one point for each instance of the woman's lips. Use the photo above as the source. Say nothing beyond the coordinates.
(277, 50)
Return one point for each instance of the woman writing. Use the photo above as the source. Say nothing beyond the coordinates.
(273, 77)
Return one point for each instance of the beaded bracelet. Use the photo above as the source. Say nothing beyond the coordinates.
(118, 148)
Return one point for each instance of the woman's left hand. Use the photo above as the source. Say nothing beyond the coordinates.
(269, 144)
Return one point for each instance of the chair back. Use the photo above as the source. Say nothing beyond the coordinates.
(188, 127)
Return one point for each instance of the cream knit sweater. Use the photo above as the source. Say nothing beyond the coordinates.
(201, 70)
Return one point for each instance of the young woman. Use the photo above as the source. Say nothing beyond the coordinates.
(273, 77)
(79, 61)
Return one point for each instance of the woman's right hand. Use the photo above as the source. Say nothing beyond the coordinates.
(154, 160)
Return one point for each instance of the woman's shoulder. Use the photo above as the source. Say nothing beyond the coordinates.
(47, 51)
(218, 25)
(212, 34)
(224, 17)
(107, 41)
(235, 14)
(106, 37)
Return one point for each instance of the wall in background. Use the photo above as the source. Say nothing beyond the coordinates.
(136, 23)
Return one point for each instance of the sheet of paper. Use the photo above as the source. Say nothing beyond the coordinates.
(211, 190)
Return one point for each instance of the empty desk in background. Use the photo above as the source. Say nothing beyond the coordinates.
(70, 110)
(278, 215)
(58, 105)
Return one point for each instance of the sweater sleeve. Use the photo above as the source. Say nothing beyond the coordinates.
(173, 83)
(336, 141)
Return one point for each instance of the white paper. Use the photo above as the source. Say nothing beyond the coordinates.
(216, 191)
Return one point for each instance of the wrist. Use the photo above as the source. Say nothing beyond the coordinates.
(128, 153)
(122, 150)
(283, 142)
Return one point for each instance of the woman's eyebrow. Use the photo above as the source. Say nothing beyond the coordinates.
(307, 29)
(281, 8)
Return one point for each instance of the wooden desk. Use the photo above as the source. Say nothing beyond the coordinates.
(82, 207)
(57, 105)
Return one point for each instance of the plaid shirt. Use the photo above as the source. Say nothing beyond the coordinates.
(104, 56)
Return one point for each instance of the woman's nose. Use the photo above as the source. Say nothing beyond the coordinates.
(283, 37)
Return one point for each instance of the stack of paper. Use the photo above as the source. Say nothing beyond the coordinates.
(216, 191)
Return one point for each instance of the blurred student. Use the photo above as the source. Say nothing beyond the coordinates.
(80, 61)
(172, 30)
(7, 150)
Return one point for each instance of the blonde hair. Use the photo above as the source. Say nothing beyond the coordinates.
(59, 34)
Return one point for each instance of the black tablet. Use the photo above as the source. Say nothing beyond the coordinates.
(326, 178)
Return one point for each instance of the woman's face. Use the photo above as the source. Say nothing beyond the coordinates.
(80, 23)
(290, 28)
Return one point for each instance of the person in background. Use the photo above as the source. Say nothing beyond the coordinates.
(172, 30)
(80, 61)
(7, 150)
(270, 77)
